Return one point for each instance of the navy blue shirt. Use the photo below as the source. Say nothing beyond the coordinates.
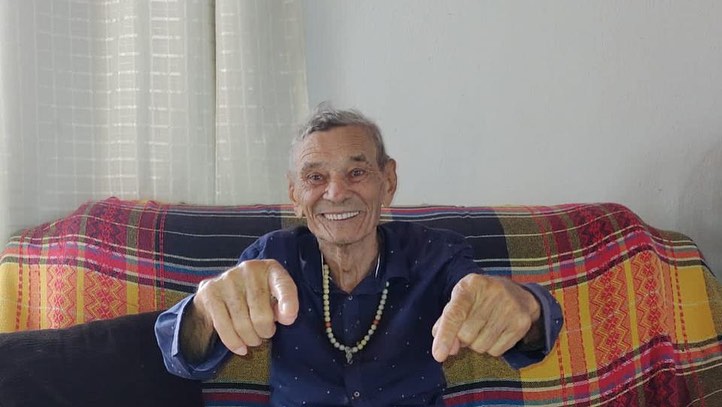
(396, 367)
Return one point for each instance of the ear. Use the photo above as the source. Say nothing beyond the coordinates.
(292, 196)
(390, 182)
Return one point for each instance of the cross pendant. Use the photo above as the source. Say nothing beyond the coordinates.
(349, 356)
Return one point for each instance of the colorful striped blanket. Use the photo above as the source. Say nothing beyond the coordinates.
(643, 314)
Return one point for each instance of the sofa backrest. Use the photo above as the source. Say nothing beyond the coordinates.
(642, 311)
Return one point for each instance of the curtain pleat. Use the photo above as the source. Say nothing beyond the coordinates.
(178, 101)
(261, 97)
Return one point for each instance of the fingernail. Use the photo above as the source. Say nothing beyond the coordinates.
(241, 351)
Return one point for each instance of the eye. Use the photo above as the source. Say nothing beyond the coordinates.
(358, 173)
(315, 178)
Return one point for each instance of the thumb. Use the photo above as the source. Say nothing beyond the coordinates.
(284, 290)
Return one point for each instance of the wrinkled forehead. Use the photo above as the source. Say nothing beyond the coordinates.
(337, 146)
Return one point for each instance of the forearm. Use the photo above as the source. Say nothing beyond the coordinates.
(197, 336)
(168, 334)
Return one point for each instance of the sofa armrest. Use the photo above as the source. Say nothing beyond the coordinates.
(113, 362)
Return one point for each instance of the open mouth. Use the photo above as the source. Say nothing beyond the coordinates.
(340, 216)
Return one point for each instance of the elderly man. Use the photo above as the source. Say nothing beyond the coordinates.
(358, 312)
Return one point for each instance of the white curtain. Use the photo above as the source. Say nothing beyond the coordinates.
(178, 101)
(261, 99)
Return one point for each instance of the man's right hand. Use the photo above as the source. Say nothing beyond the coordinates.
(242, 306)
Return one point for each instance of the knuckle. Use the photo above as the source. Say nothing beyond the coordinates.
(466, 337)
(243, 272)
(455, 314)
(473, 281)
(207, 299)
(462, 292)
(270, 263)
(208, 287)
(523, 324)
(486, 342)
(203, 284)
(473, 285)
(479, 346)
(496, 352)
(250, 268)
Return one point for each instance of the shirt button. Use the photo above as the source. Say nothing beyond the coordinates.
(350, 298)
(356, 394)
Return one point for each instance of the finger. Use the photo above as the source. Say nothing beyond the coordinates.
(506, 341)
(223, 326)
(237, 307)
(510, 334)
(455, 347)
(474, 325)
(489, 335)
(260, 308)
(284, 290)
(482, 309)
(453, 316)
(507, 324)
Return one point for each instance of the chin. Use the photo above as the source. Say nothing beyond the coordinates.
(342, 241)
(341, 235)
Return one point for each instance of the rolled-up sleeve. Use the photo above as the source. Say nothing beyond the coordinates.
(167, 333)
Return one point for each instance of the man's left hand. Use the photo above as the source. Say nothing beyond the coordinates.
(487, 314)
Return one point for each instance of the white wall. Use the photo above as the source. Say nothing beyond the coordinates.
(512, 102)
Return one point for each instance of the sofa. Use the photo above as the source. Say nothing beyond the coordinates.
(79, 296)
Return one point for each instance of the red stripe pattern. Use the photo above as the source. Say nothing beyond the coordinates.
(643, 313)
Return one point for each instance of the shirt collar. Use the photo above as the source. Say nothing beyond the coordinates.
(394, 262)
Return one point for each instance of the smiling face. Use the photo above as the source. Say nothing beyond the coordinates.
(337, 184)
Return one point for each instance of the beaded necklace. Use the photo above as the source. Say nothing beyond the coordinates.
(350, 350)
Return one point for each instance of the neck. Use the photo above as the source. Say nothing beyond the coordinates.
(349, 264)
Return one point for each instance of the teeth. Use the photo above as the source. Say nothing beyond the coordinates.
(341, 216)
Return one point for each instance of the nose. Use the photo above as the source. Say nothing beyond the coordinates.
(337, 189)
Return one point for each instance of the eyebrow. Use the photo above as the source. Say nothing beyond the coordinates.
(310, 166)
(360, 158)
